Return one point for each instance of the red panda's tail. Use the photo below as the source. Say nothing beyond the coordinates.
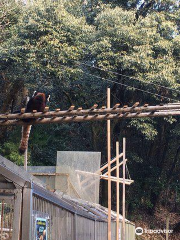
(24, 139)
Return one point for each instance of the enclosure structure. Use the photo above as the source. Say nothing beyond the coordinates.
(29, 210)
(74, 174)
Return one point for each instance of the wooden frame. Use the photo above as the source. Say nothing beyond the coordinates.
(93, 114)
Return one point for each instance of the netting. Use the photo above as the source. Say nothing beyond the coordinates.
(77, 174)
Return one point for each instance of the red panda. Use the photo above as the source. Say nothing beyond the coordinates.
(37, 102)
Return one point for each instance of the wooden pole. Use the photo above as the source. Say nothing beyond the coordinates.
(87, 118)
(115, 167)
(109, 166)
(25, 159)
(101, 169)
(114, 179)
(106, 165)
(124, 191)
(72, 112)
(117, 191)
(167, 227)
(2, 217)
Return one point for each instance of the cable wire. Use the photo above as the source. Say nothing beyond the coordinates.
(127, 171)
(132, 78)
(127, 86)
(135, 88)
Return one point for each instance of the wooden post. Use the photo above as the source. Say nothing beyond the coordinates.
(26, 226)
(167, 227)
(124, 190)
(25, 159)
(16, 234)
(109, 166)
(2, 216)
(117, 191)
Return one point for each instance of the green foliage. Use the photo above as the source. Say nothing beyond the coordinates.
(10, 151)
(144, 127)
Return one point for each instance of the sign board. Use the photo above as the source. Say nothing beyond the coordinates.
(41, 229)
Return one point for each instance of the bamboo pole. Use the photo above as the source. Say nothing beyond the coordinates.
(124, 191)
(93, 110)
(117, 191)
(109, 165)
(89, 118)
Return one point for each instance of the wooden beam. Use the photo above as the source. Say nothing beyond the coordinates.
(49, 174)
(23, 110)
(106, 165)
(71, 108)
(94, 106)
(109, 165)
(135, 105)
(86, 112)
(115, 167)
(116, 106)
(125, 106)
(114, 179)
(101, 169)
(46, 109)
(86, 118)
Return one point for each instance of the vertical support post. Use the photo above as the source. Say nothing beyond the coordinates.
(27, 214)
(2, 216)
(117, 190)
(75, 226)
(109, 166)
(25, 159)
(95, 230)
(17, 215)
(167, 227)
(124, 191)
